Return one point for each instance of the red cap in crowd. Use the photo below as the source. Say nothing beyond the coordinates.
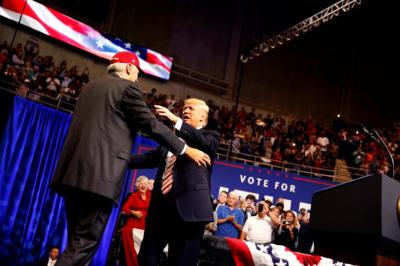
(125, 57)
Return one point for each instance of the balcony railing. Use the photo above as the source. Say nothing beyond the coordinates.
(300, 169)
(62, 102)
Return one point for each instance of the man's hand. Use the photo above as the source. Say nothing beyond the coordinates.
(164, 112)
(230, 218)
(250, 206)
(199, 157)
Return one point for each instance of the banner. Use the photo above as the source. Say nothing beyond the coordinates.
(262, 182)
(66, 29)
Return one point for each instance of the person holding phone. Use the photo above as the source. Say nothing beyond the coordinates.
(288, 231)
(249, 208)
(259, 228)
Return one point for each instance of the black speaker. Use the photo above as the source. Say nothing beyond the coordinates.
(358, 220)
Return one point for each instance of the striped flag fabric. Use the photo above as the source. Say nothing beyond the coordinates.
(161, 63)
(82, 36)
(230, 251)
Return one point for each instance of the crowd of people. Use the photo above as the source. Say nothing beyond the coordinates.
(261, 222)
(273, 138)
(23, 67)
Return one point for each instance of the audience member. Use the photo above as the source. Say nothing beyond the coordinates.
(249, 208)
(288, 231)
(259, 228)
(222, 198)
(230, 218)
(51, 259)
(135, 209)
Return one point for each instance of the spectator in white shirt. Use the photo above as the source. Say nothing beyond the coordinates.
(259, 229)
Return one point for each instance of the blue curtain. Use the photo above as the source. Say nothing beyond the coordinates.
(32, 217)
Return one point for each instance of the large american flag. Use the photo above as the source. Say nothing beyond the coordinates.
(217, 250)
(78, 34)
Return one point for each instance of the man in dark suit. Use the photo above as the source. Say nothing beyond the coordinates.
(91, 168)
(177, 215)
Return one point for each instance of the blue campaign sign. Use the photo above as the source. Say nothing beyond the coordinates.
(264, 183)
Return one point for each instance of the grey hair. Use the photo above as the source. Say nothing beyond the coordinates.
(116, 67)
(141, 179)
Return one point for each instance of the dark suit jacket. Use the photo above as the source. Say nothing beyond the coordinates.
(96, 152)
(191, 187)
(43, 262)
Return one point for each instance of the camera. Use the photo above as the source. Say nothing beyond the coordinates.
(287, 222)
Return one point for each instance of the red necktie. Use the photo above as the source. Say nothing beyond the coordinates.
(166, 185)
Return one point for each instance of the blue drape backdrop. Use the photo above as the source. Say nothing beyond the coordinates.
(32, 217)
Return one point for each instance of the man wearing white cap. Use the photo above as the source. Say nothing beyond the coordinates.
(91, 168)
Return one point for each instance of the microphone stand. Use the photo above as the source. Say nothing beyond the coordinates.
(386, 148)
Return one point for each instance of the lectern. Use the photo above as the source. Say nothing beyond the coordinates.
(358, 221)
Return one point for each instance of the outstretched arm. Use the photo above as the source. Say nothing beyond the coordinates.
(139, 115)
(206, 140)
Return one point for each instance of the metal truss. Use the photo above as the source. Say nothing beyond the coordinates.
(316, 20)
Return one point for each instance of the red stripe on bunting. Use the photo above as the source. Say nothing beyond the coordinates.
(240, 252)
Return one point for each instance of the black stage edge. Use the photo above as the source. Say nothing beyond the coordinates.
(6, 104)
(358, 221)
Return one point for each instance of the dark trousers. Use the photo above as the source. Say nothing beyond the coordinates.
(87, 216)
(165, 226)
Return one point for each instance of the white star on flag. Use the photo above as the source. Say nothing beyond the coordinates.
(263, 248)
(73, 32)
(128, 45)
(100, 44)
(280, 263)
(137, 53)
